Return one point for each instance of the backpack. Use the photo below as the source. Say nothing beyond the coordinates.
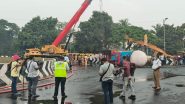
(8, 72)
(132, 68)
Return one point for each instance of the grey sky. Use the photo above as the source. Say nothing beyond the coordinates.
(143, 13)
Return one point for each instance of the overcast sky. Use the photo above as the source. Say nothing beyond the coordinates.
(145, 13)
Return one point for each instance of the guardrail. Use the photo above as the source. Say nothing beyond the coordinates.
(46, 78)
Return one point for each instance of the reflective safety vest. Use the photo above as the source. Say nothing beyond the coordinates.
(60, 69)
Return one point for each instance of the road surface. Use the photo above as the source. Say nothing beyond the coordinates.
(84, 88)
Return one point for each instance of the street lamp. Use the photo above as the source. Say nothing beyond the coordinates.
(164, 20)
(183, 39)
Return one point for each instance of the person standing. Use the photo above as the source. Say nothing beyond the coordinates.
(127, 79)
(60, 72)
(79, 60)
(132, 81)
(85, 60)
(90, 60)
(156, 72)
(183, 58)
(66, 59)
(107, 73)
(33, 75)
(15, 70)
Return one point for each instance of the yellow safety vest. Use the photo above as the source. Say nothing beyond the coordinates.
(60, 69)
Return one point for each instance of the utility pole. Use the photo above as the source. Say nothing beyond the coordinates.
(101, 5)
(183, 40)
(164, 20)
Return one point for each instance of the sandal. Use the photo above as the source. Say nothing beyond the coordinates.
(158, 88)
(154, 87)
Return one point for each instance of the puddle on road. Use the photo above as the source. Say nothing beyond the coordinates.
(44, 102)
(180, 85)
(98, 97)
(56, 101)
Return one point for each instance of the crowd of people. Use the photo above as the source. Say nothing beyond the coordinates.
(85, 59)
(107, 71)
(62, 66)
(175, 60)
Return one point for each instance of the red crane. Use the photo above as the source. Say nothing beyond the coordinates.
(54, 48)
(73, 21)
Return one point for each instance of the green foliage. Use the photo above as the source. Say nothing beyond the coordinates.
(123, 28)
(8, 32)
(95, 34)
(174, 37)
(39, 32)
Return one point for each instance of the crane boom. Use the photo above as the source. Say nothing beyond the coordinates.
(149, 45)
(54, 49)
(73, 21)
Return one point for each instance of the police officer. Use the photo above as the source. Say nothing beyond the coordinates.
(60, 72)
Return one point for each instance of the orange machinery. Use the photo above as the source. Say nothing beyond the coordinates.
(149, 45)
(55, 49)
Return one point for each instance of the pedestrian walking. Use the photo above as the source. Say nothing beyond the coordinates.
(132, 81)
(128, 79)
(156, 72)
(60, 72)
(79, 60)
(90, 60)
(107, 73)
(32, 77)
(15, 70)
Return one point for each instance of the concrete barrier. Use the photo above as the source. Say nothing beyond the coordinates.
(5, 79)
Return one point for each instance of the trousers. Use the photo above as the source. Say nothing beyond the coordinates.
(58, 81)
(156, 74)
(108, 93)
(128, 85)
(32, 85)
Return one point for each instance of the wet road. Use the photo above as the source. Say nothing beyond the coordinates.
(84, 88)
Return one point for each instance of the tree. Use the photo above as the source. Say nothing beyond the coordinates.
(8, 32)
(123, 28)
(173, 39)
(95, 34)
(39, 32)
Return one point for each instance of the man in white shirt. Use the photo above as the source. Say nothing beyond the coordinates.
(33, 75)
(106, 72)
(156, 72)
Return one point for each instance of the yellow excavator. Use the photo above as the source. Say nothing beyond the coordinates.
(46, 51)
(148, 45)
